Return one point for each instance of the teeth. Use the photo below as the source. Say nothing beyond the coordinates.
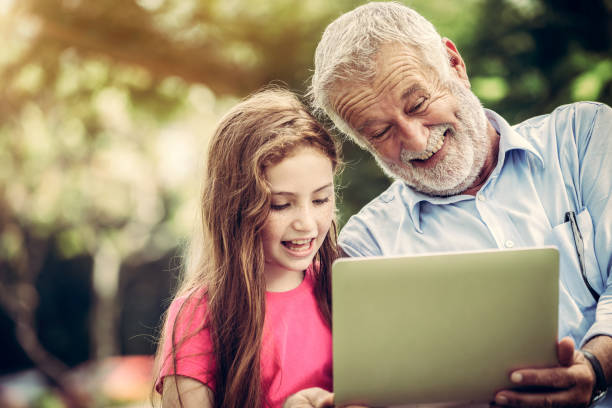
(428, 153)
(300, 241)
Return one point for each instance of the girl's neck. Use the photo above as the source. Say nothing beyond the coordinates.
(283, 281)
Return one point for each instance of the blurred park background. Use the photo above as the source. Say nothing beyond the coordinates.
(106, 107)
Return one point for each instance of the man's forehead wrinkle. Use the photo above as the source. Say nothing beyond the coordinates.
(399, 72)
(347, 101)
(357, 106)
(401, 57)
(341, 100)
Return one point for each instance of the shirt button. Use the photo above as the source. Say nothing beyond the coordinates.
(509, 244)
(481, 197)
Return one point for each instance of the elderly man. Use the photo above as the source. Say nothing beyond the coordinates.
(466, 179)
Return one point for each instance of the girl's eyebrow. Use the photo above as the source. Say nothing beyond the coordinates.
(328, 185)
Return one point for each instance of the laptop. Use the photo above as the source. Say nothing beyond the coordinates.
(440, 328)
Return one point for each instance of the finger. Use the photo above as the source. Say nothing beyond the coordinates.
(324, 399)
(545, 400)
(310, 398)
(565, 351)
(557, 377)
(319, 398)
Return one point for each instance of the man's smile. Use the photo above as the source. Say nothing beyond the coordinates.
(430, 151)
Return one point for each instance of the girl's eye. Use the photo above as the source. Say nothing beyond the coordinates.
(278, 207)
(321, 201)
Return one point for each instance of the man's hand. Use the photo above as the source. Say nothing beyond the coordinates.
(569, 385)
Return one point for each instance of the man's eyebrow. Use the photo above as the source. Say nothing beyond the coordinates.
(365, 125)
(408, 92)
(288, 193)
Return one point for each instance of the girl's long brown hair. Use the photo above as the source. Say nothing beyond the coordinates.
(226, 254)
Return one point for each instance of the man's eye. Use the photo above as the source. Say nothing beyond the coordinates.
(378, 136)
(278, 207)
(419, 105)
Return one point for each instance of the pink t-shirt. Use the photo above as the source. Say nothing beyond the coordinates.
(296, 348)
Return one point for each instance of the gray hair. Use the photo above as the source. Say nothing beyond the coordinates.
(349, 46)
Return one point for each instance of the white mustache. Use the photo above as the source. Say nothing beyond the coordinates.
(434, 143)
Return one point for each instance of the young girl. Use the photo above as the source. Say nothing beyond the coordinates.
(250, 324)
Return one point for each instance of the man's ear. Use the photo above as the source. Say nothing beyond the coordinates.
(456, 62)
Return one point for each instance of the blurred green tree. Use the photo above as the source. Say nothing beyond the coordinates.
(537, 55)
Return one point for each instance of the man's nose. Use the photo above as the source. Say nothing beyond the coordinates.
(412, 134)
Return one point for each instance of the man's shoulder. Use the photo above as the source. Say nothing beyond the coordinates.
(386, 201)
(585, 110)
(366, 232)
(567, 125)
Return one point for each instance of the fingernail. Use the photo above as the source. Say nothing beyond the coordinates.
(516, 378)
(501, 400)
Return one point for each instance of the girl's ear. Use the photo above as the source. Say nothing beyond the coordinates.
(456, 62)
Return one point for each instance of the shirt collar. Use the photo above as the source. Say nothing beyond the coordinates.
(509, 140)
(413, 199)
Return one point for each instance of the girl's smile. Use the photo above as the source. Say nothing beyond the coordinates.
(299, 247)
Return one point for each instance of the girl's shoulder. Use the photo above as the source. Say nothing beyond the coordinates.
(186, 347)
(188, 308)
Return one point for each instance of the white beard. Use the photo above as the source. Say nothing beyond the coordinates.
(467, 150)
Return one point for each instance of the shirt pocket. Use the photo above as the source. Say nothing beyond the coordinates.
(562, 237)
(576, 303)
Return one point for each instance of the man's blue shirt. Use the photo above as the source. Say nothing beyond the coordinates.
(547, 166)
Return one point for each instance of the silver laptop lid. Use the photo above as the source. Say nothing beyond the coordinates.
(441, 327)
